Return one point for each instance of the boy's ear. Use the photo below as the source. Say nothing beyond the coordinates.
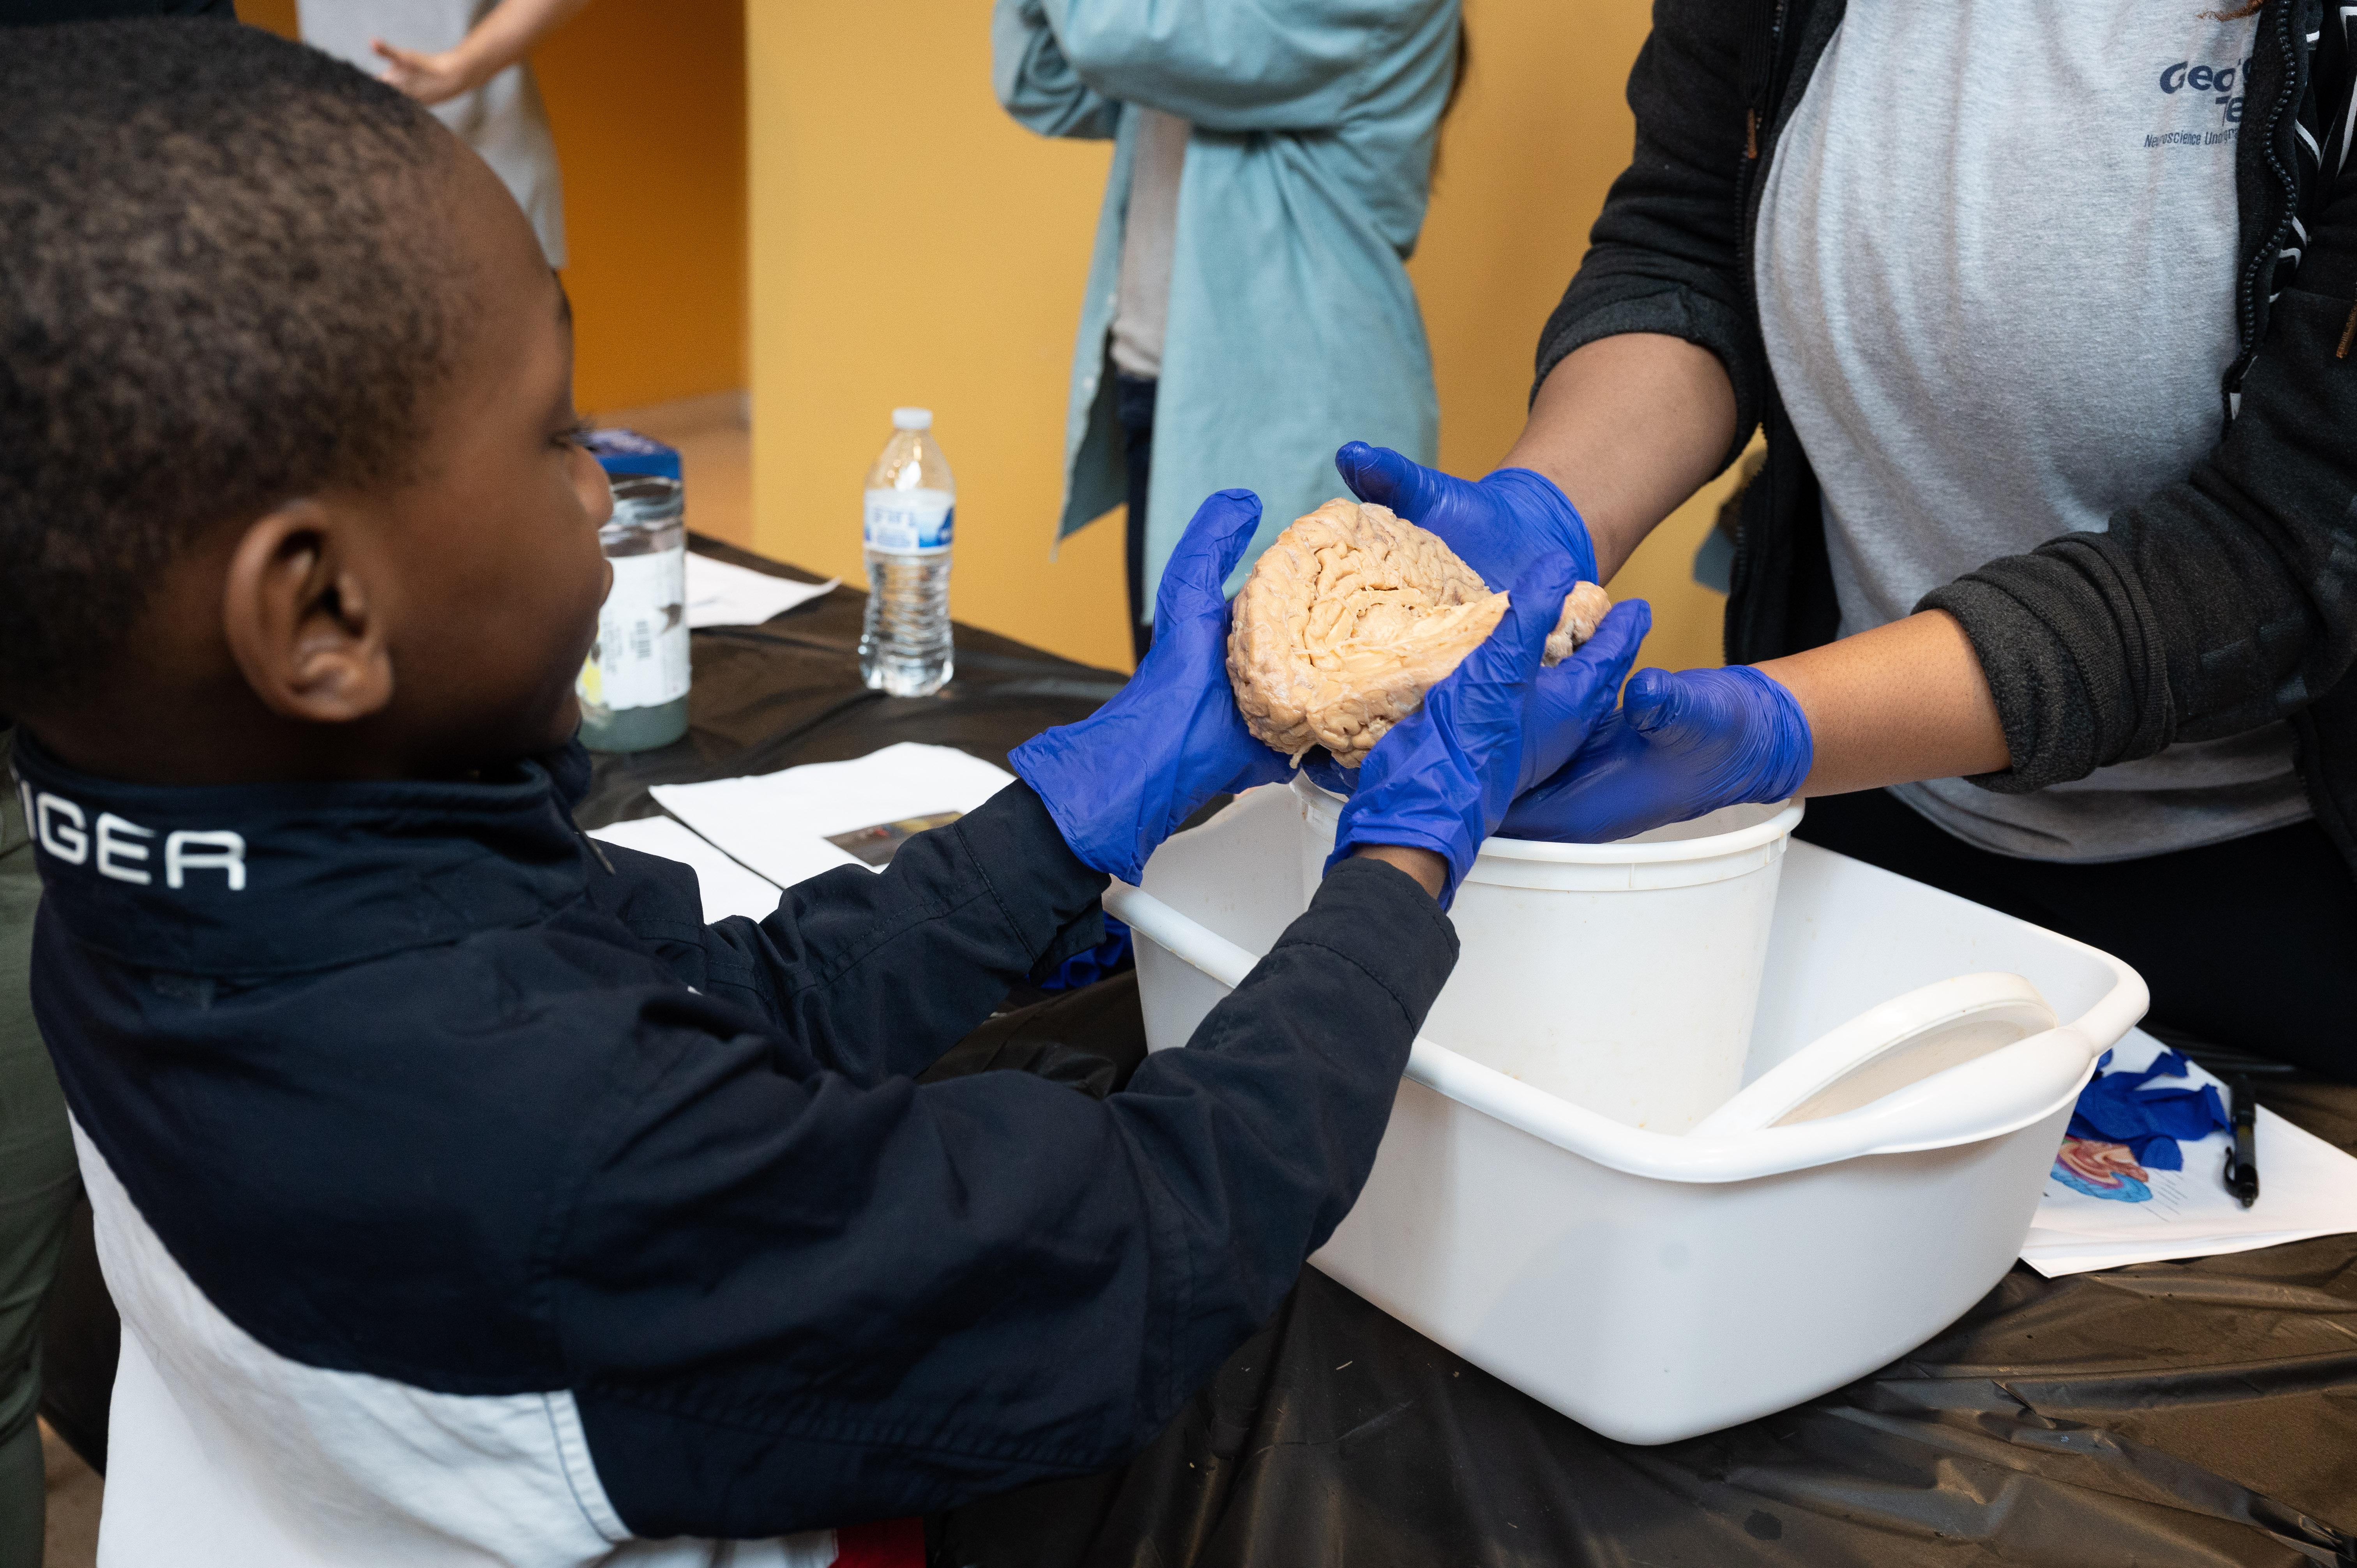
(305, 616)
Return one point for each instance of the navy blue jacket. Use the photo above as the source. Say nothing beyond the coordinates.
(409, 1084)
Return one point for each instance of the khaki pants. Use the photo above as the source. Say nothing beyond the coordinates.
(38, 1188)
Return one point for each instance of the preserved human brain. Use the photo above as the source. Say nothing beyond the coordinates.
(1350, 615)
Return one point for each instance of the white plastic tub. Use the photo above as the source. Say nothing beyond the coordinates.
(1653, 1286)
(1618, 976)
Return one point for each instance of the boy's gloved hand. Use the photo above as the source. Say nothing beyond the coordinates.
(1444, 776)
(1565, 704)
(1569, 701)
(1121, 781)
(1499, 525)
(1682, 744)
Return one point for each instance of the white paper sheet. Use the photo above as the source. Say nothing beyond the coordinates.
(727, 888)
(722, 594)
(2307, 1187)
(778, 822)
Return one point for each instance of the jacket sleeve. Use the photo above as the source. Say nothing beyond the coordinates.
(789, 1301)
(1238, 65)
(2214, 605)
(1664, 255)
(878, 973)
(1034, 82)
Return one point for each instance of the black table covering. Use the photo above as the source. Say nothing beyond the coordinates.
(2201, 1412)
(788, 692)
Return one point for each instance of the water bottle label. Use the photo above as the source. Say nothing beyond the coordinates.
(640, 659)
(910, 522)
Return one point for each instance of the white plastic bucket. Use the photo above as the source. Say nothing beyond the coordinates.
(1623, 976)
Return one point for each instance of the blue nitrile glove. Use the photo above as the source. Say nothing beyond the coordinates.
(2118, 1108)
(1565, 702)
(1569, 701)
(1121, 781)
(1441, 777)
(1682, 745)
(1498, 526)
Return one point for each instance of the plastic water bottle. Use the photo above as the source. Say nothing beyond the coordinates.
(911, 510)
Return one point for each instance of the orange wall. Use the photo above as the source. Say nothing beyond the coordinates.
(912, 245)
(278, 16)
(647, 100)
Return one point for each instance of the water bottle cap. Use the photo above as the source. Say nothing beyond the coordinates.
(912, 419)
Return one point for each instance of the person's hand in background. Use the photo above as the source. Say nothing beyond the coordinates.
(1499, 525)
(1442, 777)
(1682, 744)
(430, 78)
(496, 42)
(1121, 781)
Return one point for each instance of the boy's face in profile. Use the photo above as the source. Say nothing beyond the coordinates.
(500, 572)
(421, 629)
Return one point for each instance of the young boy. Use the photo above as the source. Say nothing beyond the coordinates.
(468, 1200)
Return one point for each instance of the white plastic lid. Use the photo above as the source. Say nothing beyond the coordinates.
(912, 419)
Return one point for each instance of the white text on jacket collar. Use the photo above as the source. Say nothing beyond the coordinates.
(123, 851)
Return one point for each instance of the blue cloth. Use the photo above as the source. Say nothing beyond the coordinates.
(1292, 324)
(1121, 781)
(1681, 745)
(2118, 1108)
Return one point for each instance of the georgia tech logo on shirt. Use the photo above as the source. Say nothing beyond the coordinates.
(125, 851)
(2215, 79)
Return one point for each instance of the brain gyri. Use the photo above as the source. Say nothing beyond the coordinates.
(1350, 615)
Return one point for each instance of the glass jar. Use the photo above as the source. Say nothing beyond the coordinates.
(633, 687)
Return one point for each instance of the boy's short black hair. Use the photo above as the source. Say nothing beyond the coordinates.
(225, 283)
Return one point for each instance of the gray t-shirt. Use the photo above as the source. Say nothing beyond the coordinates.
(1995, 274)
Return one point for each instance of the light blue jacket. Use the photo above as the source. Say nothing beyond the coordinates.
(1292, 327)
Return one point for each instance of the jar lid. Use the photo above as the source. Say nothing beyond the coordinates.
(619, 451)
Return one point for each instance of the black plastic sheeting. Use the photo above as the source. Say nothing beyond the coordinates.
(2185, 1413)
(788, 692)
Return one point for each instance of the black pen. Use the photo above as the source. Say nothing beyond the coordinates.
(2243, 1158)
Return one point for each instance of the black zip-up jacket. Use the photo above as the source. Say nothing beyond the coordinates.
(466, 1187)
(2220, 602)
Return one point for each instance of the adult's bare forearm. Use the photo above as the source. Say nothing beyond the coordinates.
(1629, 427)
(1903, 702)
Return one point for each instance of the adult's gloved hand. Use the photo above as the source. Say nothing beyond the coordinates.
(1565, 705)
(1442, 777)
(1682, 745)
(1121, 781)
(1497, 525)
(1569, 701)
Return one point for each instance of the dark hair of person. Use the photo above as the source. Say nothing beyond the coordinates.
(224, 283)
